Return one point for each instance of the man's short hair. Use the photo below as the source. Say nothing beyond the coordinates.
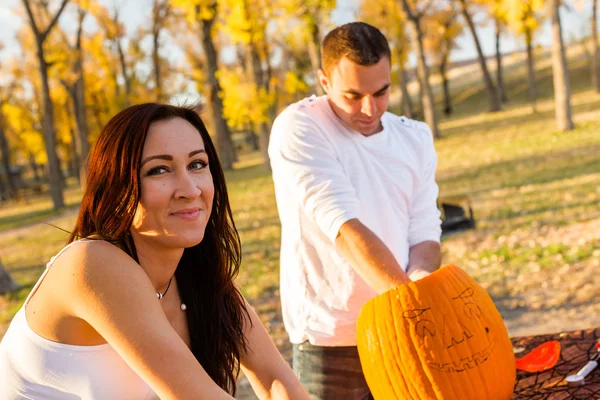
(361, 43)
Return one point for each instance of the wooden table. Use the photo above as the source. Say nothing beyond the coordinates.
(577, 348)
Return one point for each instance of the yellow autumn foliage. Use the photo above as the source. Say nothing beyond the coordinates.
(244, 104)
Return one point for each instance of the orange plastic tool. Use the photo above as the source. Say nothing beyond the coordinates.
(543, 357)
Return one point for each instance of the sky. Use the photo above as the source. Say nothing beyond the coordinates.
(575, 25)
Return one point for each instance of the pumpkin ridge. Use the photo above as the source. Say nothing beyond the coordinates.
(429, 387)
(464, 285)
(371, 354)
(395, 340)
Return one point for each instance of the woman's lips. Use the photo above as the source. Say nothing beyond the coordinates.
(188, 214)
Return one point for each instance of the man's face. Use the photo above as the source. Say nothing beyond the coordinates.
(358, 95)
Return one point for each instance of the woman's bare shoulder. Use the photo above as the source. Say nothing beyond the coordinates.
(98, 266)
(92, 254)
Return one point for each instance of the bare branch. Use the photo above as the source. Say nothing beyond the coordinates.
(31, 19)
(424, 9)
(54, 20)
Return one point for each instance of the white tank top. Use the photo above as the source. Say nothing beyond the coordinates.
(32, 367)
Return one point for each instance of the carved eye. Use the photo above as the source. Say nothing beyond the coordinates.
(466, 294)
(414, 313)
(472, 310)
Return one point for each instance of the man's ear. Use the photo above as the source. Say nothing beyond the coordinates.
(323, 80)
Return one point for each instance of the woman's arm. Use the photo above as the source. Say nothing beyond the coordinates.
(113, 294)
(269, 374)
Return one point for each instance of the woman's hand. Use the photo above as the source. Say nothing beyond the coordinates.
(269, 374)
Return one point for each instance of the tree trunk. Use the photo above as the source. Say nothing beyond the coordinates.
(224, 143)
(78, 98)
(122, 62)
(531, 87)
(156, 68)
(10, 190)
(493, 98)
(499, 77)
(257, 74)
(7, 284)
(314, 53)
(34, 168)
(160, 12)
(252, 140)
(75, 164)
(445, 85)
(54, 171)
(562, 90)
(423, 72)
(2, 190)
(407, 106)
(595, 55)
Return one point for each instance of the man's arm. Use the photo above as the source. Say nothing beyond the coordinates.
(369, 256)
(423, 259)
(424, 230)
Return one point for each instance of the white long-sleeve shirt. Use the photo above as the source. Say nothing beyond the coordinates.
(326, 174)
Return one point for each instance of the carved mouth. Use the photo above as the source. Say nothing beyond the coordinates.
(466, 363)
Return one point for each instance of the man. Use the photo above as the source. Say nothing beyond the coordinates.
(356, 195)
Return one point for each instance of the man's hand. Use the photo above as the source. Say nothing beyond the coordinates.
(423, 259)
(418, 273)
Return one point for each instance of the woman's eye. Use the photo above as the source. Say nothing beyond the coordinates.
(197, 165)
(156, 171)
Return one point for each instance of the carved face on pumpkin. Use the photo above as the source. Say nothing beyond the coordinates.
(448, 336)
(439, 337)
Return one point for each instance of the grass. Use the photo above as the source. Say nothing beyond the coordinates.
(535, 194)
(31, 210)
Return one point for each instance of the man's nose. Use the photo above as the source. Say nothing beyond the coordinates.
(368, 106)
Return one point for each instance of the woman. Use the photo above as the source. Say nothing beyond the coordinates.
(144, 305)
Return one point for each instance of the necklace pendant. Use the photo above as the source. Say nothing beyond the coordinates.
(159, 295)
(183, 307)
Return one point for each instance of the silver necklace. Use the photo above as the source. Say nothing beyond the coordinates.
(183, 307)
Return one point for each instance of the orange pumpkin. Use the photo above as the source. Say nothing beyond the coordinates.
(440, 337)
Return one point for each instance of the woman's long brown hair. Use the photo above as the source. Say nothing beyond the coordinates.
(216, 310)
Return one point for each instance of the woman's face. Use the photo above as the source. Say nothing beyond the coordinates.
(176, 186)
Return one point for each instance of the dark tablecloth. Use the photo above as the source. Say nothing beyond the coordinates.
(577, 348)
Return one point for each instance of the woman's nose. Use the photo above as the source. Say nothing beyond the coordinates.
(187, 186)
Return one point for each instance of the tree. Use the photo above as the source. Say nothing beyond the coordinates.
(562, 90)
(294, 77)
(160, 12)
(312, 14)
(523, 17)
(246, 22)
(10, 189)
(595, 55)
(114, 33)
(74, 83)
(492, 93)
(204, 14)
(54, 171)
(23, 126)
(497, 12)
(442, 29)
(388, 17)
(7, 284)
(414, 15)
